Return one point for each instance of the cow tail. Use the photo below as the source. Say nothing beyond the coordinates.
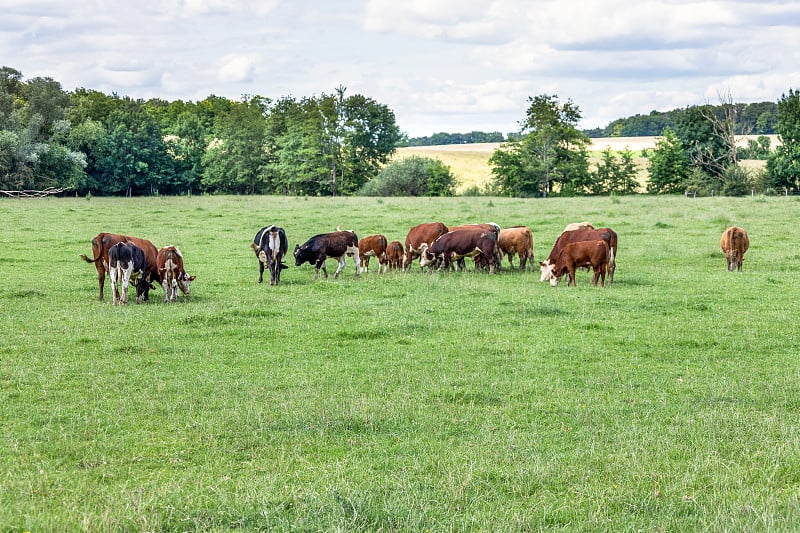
(95, 260)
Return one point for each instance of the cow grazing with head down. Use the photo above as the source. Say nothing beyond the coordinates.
(455, 245)
(517, 240)
(417, 236)
(394, 255)
(373, 246)
(173, 275)
(479, 259)
(270, 245)
(577, 254)
(126, 264)
(734, 242)
(603, 234)
(100, 246)
(335, 245)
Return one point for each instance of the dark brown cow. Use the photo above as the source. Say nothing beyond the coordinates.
(517, 240)
(373, 246)
(605, 234)
(394, 255)
(734, 242)
(479, 261)
(173, 275)
(103, 241)
(419, 235)
(455, 245)
(577, 254)
(335, 245)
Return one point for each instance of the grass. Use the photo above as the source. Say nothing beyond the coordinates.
(401, 402)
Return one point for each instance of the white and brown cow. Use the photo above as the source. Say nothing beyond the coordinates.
(734, 242)
(270, 245)
(373, 246)
(100, 246)
(126, 264)
(605, 234)
(173, 275)
(335, 245)
(577, 254)
(417, 236)
(455, 245)
(517, 240)
(394, 255)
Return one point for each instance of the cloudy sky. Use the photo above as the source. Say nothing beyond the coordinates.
(440, 65)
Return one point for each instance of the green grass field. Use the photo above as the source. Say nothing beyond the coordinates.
(669, 401)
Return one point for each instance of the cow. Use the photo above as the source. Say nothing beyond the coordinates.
(517, 240)
(126, 264)
(479, 260)
(417, 236)
(455, 245)
(373, 246)
(605, 234)
(103, 241)
(394, 255)
(335, 245)
(170, 268)
(576, 254)
(578, 225)
(734, 242)
(270, 246)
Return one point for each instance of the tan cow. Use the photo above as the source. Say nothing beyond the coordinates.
(373, 246)
(734, 242)
(517, 240)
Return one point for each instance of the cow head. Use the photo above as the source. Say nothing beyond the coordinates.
(547, 269)
(425, 257)
(301, 255)
(143, 288)
(185, 282)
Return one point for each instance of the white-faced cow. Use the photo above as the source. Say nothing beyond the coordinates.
(270, 245)
(335, 245)
(173, 275)
(373, 246)
(603, 234)
(575, 255)
(455, 245)
(417, 236)
(100, 246)
(517, 240)
(394, 255)
(734, 242)
(126, 264)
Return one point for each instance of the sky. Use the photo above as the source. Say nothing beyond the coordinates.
(440, 65)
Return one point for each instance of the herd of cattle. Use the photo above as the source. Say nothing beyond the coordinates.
(136, 261)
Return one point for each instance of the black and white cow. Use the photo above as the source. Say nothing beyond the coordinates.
(270, 245)
(127, 264)
(335, 245)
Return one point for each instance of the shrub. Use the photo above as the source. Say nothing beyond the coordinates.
(412, 176)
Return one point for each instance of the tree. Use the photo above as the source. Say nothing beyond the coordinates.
(669, 165)
(783, 165)
(412, 176)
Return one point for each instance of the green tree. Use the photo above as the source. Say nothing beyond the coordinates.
(669, 165)
(412, 176)
(783, 165)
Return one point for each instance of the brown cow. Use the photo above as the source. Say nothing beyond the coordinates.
(577, 254)
(606, 234)
(373, 246)
(517, 240)
(479, 261)
(173, 275)
(419, 235)
(734, 242)
(455, 245)
(103, 241)
(394, 255)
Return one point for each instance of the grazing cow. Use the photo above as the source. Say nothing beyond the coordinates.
(734, 242)
(517, 240)
(173, 275)
(373, 246)
(270, 245)
(126, 264)
(605, 234)
(335, 245)
(419, 235)
(455, 245)
(394, 255)
(479, 262)
(578, 225)
(103, 241)
(577, 254)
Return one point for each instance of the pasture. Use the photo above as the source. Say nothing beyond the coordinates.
(669, 401)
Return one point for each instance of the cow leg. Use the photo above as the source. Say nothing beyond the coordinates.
(260, 271)
(356, 260)
(114, 293)
(165, 286)
(126, 278)
(174, 287)
(341, 266)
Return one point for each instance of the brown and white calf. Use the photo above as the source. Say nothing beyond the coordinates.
(335, 245)
(734, 242)
(173, 275)
(373, 246)
(517, 240)
(394, 255)
(577, 254)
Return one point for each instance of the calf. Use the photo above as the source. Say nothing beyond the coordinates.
(126, 264)
(734, 242)
(517, 240)
(270, 245)
(394, 255)
(577, 254)
(417, 236)
(100, 246)
(455, 245)
(335, 245)
(173, 275)
(605, 234)
(373, 246)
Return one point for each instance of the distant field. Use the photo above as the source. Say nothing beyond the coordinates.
(470, 162)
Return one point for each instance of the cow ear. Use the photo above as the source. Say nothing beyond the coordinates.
(192, 278)
(296, 247)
